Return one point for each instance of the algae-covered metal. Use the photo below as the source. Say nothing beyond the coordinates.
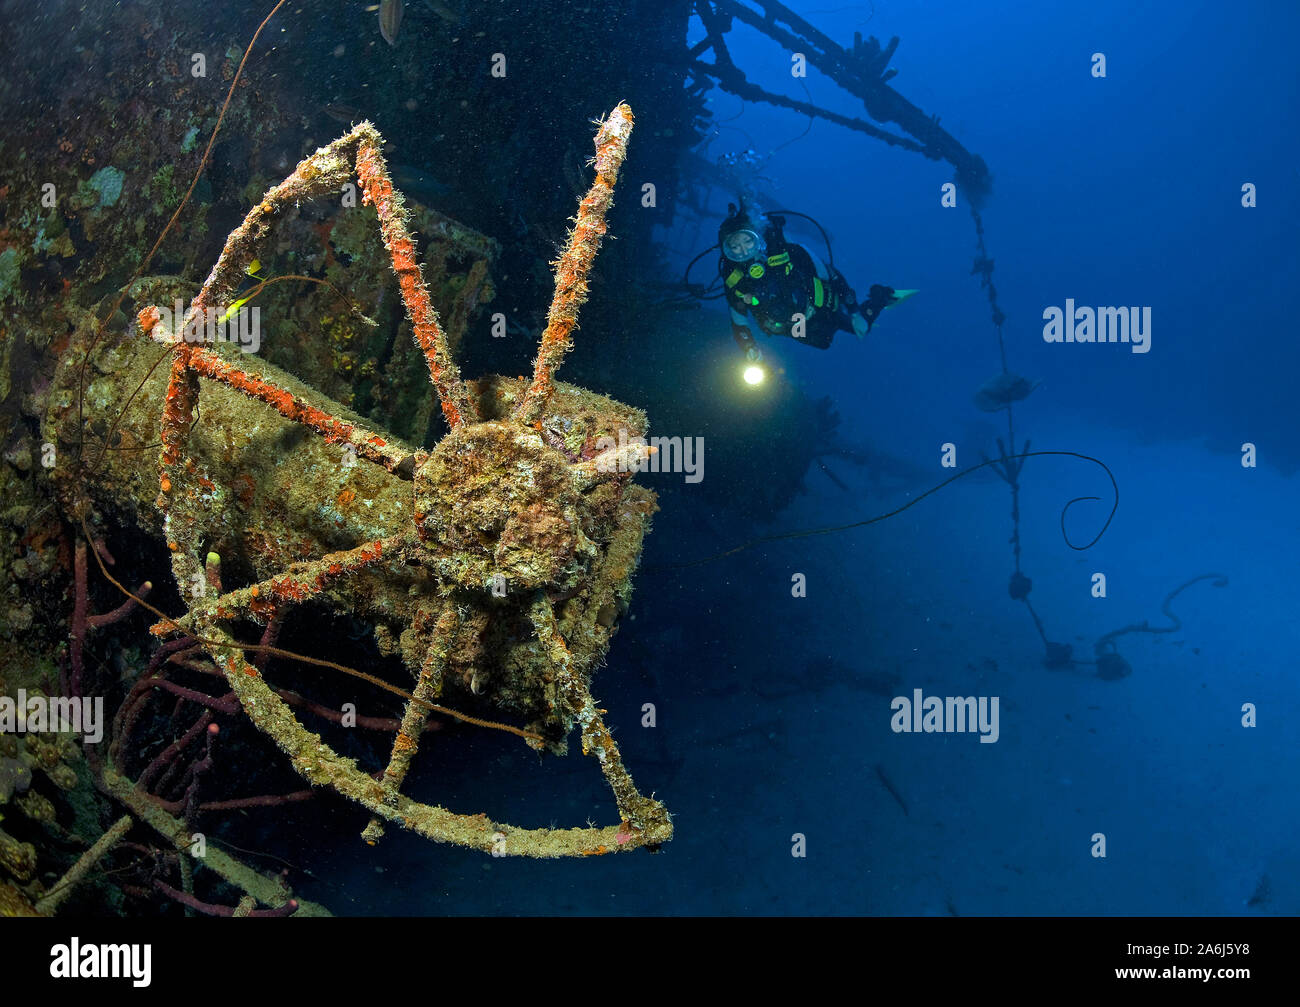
(495, 564)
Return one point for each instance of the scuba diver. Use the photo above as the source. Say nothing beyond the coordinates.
(788, 290)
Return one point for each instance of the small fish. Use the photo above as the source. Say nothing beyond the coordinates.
(235, 306)
(1263, 892)
(888, 785)
(831, 475)
(348, 115)
(444, 12)
(999, 392)
(390, 19)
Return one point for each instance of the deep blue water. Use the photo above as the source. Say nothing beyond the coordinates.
(774, 711)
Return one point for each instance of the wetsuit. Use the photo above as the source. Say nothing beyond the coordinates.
(789, 282)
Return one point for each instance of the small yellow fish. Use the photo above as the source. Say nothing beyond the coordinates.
(234, 307)
(253, 267)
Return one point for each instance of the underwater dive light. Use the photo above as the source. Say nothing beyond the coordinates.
(753, 374)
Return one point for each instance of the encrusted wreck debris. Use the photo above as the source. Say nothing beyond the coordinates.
(863, 71)
(495, 565)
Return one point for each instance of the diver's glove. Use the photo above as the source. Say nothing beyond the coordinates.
(879, 299)
(744, 338)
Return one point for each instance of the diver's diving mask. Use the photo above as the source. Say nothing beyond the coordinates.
(743, 245)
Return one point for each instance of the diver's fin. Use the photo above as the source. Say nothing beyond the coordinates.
(861, 325)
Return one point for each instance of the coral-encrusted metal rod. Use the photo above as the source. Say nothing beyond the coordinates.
(316, 761)
(367, 445)
(324, 172)
(377, 188)
(574, 266)
(300, 582)
(270, 891)
(85, 863)
(427, 689)
(643, 817)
